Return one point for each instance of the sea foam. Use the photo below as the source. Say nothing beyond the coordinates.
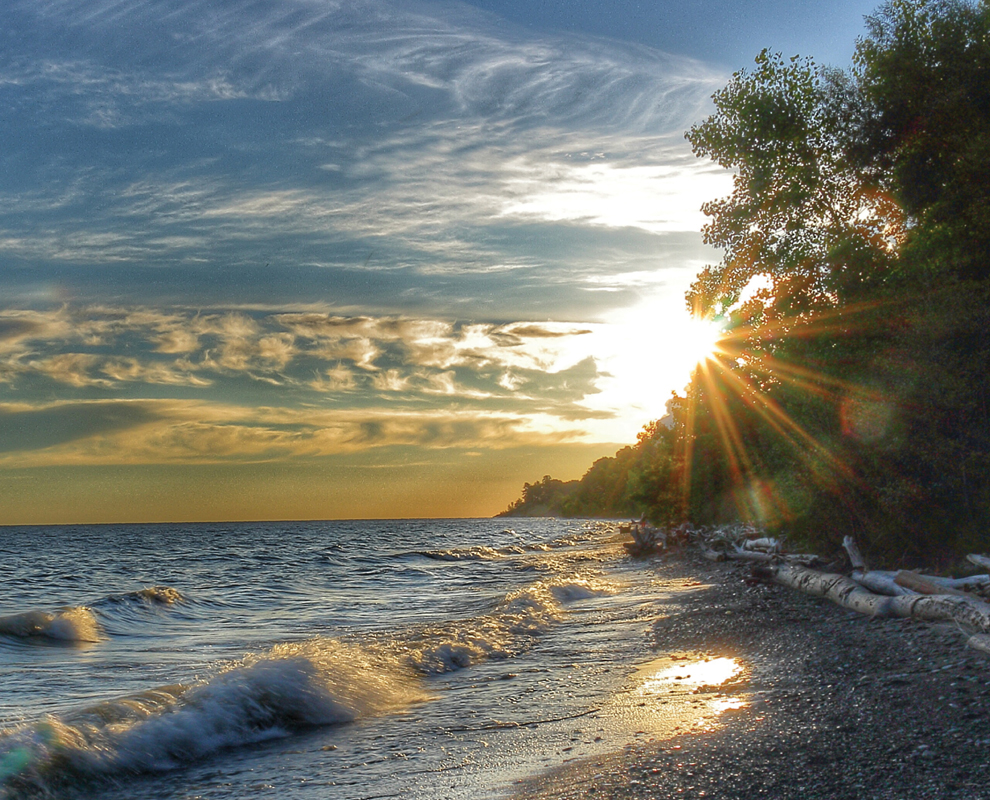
(509, 629)
(159, 595)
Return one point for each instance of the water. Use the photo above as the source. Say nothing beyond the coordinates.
(414, 659)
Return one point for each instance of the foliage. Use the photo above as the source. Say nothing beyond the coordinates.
(625, 485)
(923, 74)
(543, 498)
(798, 209)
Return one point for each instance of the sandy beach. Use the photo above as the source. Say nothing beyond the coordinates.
(834, 705)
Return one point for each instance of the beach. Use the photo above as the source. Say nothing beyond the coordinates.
(833, 704)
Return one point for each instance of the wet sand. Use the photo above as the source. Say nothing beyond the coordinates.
(834, 705)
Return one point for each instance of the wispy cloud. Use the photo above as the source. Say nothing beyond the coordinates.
(424, 145)
(272, 232)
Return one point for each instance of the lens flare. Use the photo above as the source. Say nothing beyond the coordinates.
(743, 390)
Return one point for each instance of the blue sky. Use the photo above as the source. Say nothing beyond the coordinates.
(323, 258)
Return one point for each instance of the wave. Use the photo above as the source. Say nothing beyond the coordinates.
(70, 624)
(151, 595)
(487, 553)
(140, 612)
(290, 688)
(477, 553)
(511, 628)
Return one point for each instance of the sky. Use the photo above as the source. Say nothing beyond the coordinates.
(316, 259)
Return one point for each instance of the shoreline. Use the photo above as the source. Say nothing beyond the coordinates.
(837, 705)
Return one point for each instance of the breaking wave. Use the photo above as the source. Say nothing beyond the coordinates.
(478, 553)
(71, 624)
(505, 632)
(290, 688)
(151, 595)
(487, 553)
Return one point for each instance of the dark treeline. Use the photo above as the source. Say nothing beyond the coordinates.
(850, 393)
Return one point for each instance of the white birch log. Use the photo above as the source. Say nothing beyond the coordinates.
(855, 557)
(881, 583)
(980, 642)
(980, 561)
(766, 544)
(970, 582)
(849, 594)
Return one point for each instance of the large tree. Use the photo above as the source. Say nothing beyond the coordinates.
(851, 394)
(923, 126)
(800, 217)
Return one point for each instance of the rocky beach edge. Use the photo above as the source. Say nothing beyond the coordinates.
(836, 705)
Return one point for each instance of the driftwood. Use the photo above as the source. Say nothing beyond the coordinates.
(897, 584)
(970, 582)
(763, 544)
(646, 540)
(850, 594)
(881, 583)
(739, 554)
(980, 642)
(923, 585)
(855, 557)
(980, 561)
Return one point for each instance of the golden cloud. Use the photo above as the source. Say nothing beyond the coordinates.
(194, 432)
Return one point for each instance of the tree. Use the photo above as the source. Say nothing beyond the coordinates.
(800, 214)
(923, 133)
(852, 392)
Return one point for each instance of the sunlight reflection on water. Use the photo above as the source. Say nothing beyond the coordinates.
(713, 672)
(680, 693)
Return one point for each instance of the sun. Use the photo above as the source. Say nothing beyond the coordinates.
(698, 339)
(643, 355)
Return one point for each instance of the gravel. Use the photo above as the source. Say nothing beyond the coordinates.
(839, 705)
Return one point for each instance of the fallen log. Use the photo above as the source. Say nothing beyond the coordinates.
(878, 582)
(849, 594)
(937, 582)
(647, 540)
(969, 582)
(764, 544)
(881, 583)
(921, 585)
(980, 561)
(980, 642)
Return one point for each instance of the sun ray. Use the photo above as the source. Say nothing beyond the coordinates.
(741, 372)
